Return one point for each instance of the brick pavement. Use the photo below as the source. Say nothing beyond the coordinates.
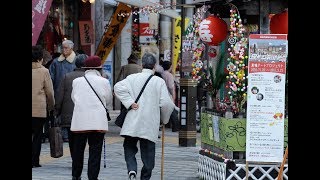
(180, 163)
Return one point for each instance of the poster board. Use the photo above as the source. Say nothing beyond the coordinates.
(266, 97)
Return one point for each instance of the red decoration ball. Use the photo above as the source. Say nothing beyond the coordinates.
(279, 23)
(216, 27)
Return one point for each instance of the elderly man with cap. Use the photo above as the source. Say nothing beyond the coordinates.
(131, 68)
(64, 104)
(89, 120)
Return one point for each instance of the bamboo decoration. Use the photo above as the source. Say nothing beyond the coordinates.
(280, 175)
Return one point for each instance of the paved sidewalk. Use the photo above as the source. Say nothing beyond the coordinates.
(180, 163)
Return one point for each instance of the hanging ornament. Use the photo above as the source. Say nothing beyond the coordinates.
(232, 40)
(213, 30)
(212, 52)
(231, 67)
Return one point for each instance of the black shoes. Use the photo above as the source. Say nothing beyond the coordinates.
(36, 165)
(76, 178)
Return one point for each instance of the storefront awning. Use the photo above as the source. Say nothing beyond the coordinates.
(142, 3)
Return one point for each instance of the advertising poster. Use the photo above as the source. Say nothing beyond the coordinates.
(266, 97)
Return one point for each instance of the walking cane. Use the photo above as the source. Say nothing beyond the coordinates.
(280, 175)
(104, 153)
(162, 151)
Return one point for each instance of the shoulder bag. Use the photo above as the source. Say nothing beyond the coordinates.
(108, 116)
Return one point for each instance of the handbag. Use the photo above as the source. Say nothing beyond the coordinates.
(55, 139)
(120, 119)
(108, 115)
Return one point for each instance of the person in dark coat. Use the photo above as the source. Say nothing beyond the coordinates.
(64, 104)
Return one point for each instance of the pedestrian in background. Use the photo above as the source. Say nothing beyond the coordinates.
(42, 100)
(131, 68)
(169, 79)
(89, 120)
(59, 67)
(64, 104)
(143, 120)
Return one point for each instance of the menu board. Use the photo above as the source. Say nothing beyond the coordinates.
(266, 97)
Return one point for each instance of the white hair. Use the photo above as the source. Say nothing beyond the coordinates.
(68, 43)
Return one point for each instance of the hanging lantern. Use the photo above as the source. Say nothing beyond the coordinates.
(279, 23)
(213, 30)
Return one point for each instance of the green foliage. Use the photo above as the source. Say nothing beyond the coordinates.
(217, 79)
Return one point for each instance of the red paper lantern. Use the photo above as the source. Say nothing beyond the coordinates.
(279, 23)
(213, 30)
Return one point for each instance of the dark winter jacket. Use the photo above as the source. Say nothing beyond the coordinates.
(64, 104)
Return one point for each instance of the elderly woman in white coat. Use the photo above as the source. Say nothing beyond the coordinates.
(89, 120)
(143, 120)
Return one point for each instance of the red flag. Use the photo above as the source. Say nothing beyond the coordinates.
(40, 9)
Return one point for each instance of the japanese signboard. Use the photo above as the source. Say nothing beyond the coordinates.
(86, 32)
(266, 97)
(146, 35)
(118, 21)
(177, 41)
(40, 9)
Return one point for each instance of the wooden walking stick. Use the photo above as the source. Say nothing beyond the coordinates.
(162, 151)
(280, 175)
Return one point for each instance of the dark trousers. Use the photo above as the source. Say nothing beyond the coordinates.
(70, 135)
(147, 149)
(95, 141)
(37, 127)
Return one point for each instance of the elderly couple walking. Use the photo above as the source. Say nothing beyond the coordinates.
(141, 123)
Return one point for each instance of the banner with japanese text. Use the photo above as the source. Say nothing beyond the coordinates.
(86, 32)
(118, 21)
(40, 9)
(177, 41)
(266, 97)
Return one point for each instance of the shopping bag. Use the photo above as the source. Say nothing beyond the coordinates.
(56, 142)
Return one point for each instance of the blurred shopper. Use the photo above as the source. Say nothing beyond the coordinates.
(42, 100)
(59, 67)
(89, 120)
(143, 120)
(169, 79)
(131, 68)
(64, 104)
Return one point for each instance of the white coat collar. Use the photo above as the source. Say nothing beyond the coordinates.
(70, 58)
(92, 72)
(150, 71)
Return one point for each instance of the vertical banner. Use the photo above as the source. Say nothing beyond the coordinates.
(177, 41)
(86, 32)
(40, 9)
(110, 36)
(266, 97)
